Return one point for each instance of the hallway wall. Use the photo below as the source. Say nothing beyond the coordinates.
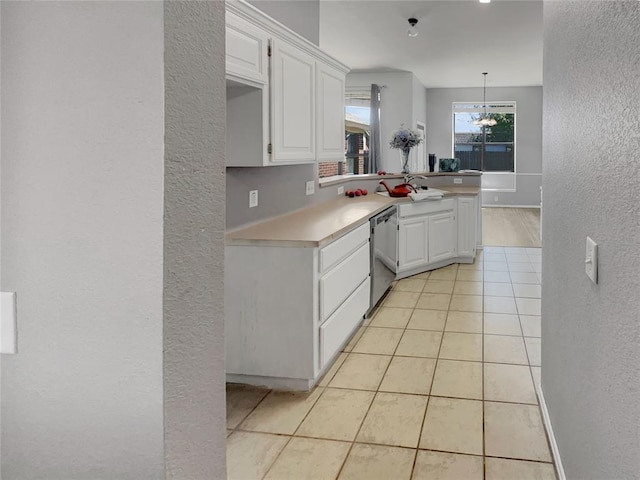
(591, 171)
(82, 235)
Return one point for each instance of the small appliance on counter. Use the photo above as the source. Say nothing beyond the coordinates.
(449, 165)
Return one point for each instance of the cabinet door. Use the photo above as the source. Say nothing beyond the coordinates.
(246, 50)
(330, 117)
(442, 236)
(412, 243)
(467, 218)
(293, 104)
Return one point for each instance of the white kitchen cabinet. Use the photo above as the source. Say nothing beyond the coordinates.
(290, 309)
(293, 97)
(413, 251)
(467, 215)
(330, 84)
(292, 106)
(427, 235)
(442, 234)
(246, 50)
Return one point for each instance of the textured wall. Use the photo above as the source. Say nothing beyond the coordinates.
(591, 333)
(528, 134)
(82, 128)
(194, 377)
(301, 16)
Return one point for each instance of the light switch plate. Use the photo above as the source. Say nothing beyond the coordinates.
(457, 180)
(310, 187)
(8, 323)
(253, 198)
(591, 260)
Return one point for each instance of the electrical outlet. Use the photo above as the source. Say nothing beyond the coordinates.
(591, 260)
(310, 187)
(457, 180)
(340, 190)
(253, 198)
(495, 198)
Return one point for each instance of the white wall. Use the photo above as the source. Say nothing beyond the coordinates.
(82, 227)
(528, 135)
(419, 102)
(301, 16)
(591, 168)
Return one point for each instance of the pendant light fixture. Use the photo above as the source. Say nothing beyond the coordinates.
(484, 120)
(413, 31)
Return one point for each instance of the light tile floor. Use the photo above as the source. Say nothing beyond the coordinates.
(438, 384)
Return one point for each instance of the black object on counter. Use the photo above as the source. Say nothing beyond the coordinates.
(432, 162)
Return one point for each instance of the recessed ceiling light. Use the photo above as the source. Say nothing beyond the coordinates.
(485, 1)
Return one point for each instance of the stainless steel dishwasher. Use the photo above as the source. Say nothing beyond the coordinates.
(384, 253)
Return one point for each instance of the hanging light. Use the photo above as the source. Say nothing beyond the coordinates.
(413, 31)
(484, 120)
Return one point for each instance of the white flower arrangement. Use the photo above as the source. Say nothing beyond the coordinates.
(405, 138)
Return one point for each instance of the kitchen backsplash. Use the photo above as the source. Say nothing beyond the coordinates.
(281, 189)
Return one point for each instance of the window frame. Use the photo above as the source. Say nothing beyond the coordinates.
(504, 107)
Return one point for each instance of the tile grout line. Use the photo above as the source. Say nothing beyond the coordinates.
(433, 377)
(484, 446)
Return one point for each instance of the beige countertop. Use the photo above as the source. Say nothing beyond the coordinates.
(319, 224)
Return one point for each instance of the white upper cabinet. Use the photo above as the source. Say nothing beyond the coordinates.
(330, 85)
(295, 112)
(246, 50)
(293, 104)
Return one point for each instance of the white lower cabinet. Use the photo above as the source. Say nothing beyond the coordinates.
(413, 251)
(467, 220)
(289, 310)
(343, 322)
(432, 234)
(443, 235)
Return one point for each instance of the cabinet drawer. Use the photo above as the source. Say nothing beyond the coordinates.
(341, 248)
(335, 331)
(341, 281)
(428, 206)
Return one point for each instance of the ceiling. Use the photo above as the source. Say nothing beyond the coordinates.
(457, 41)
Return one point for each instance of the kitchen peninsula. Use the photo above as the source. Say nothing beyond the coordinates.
(297, 286)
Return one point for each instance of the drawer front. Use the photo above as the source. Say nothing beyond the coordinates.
(427, 206)
(342, 247)
(341, 281)
(335, 332)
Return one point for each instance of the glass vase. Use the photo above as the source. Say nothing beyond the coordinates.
(404, 159)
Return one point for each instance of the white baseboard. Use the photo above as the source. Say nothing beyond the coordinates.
(552, 440)
(491, 205)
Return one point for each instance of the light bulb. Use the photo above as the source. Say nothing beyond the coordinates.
(485, 1)
(413, 31)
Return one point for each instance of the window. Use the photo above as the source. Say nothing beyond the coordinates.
(485, 148)
(356, 136)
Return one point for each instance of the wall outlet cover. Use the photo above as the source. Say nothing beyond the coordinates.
(310, 187)
(253, 198)
(340, 190)
(591, 260)
(457, 180)
(8, 323)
